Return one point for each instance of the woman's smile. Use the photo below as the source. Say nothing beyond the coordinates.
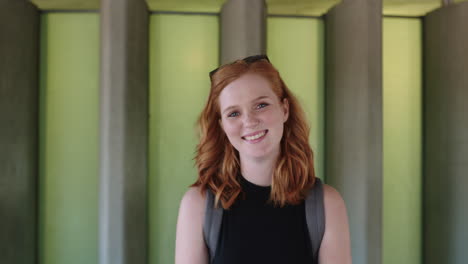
(255, 137)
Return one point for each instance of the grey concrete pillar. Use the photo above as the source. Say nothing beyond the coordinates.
(124, 132)
(446, 135)
(243, 29)
(353, 155)
(19, 53)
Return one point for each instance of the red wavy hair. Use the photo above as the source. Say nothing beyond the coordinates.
(218, 161)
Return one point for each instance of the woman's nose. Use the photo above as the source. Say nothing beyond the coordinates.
(251, 120)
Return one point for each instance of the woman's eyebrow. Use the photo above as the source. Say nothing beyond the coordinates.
(260, 97)
(256, 99)
(229, 108)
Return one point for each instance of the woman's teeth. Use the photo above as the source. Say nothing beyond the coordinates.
(259, 135)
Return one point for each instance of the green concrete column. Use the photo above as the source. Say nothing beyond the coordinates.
(243, 29)
(19, 42)
(446, 135)
(353, 117)
(124, 131)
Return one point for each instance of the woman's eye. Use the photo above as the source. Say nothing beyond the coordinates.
(233, 114)
(262, 105)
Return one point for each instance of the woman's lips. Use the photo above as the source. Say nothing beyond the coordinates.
(255, 137)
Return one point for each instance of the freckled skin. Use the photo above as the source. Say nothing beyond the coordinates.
(251, 114)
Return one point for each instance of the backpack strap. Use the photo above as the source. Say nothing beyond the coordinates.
(212, 224)
(315, 217)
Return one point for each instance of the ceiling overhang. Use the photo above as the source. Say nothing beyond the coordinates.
(275, 7)
(404, 8)
(411, 8)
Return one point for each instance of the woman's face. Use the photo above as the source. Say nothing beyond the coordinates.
(252, 116)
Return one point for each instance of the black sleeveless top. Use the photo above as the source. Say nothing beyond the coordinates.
(255, 231)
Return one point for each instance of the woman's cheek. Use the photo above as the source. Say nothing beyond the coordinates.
(231, 129)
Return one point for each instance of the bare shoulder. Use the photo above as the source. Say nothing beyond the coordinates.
(332, 198)
(193, 198)
(192, 206)
(336, 244)
(190, 247)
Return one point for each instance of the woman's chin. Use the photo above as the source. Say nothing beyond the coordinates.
(257, 154)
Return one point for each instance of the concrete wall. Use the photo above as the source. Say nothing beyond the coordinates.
(446, 135)
(19, 55)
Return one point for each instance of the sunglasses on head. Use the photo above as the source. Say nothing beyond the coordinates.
(248, 60)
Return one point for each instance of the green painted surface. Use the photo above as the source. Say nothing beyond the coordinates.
(68, 183)
(296, 47)
(183, 49)
(402, 110)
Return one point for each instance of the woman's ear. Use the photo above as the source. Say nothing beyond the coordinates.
(285, 106)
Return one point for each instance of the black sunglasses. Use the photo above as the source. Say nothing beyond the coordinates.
(248, 60)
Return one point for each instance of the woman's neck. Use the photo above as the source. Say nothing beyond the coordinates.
(258, 171)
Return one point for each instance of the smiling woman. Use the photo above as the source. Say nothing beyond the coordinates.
(255, 161)
(254, 127)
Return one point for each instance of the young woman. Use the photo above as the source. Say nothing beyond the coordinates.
(254, 157)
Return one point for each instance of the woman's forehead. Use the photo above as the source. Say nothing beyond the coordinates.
(244, 91)
(247, 87)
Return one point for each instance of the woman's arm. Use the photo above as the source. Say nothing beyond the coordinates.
(190, 245)
(336, 245)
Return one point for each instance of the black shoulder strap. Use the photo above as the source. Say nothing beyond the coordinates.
(315, 217)
(212, 224)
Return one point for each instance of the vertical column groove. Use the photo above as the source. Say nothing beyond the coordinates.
(243, 29)
(354, 119)
(124, 132)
